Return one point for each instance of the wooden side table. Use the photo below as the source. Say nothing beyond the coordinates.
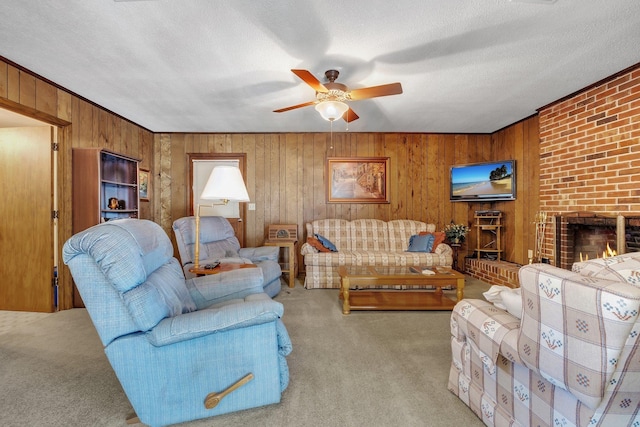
(455, 247)
(289, 265)
(201, 271)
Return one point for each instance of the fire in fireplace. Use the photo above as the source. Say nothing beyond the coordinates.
(608, 252)
(585, 235)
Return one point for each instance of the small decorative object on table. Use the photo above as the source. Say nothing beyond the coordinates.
(113, 203)
(456, 233)
(285, 236)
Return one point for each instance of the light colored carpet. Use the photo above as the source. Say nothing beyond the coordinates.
(365, 369)
(9, 320)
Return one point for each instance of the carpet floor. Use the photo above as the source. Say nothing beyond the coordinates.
(384, 368)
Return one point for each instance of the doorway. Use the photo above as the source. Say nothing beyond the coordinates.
(200, 166)
(27, 255)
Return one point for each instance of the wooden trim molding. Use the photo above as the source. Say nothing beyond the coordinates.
(32, 112)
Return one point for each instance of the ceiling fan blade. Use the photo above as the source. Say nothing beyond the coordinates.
(310, 79)
(350, 116)
(375, 91)
(293, 107)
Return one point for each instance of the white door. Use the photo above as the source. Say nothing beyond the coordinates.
(201, 171)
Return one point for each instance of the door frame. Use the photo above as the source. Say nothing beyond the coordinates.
(241, 158)
(60, 136)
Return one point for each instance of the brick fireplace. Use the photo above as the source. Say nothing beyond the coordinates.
(590, 169)
(589, 166)
(583, 235)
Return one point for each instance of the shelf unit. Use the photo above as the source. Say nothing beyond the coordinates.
(488, 222)
(98, 176)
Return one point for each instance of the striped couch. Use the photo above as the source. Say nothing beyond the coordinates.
(366, 242)
(573, 359)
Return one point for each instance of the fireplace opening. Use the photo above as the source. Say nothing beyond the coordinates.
(582, 236)
(593, 241)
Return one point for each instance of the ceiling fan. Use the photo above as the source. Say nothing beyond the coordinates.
(331, 96)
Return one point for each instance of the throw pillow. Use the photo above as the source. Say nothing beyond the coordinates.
(512, 299)
(505, 298)
(438, 237)
(421, 243)
(326, 243)
(317, 244)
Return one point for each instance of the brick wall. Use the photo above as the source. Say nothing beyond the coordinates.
(590, 151)
(494, 272)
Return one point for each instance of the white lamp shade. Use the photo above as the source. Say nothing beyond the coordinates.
(331, 110)
(225, 183)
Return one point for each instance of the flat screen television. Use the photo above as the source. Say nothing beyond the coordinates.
(483, 182)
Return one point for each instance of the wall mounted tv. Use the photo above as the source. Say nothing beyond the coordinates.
(483, 182)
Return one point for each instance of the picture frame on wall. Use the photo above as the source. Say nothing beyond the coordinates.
(357, 180)
(144, 184)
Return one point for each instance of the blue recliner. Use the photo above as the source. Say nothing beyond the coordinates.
(182, 349)
(218, 242)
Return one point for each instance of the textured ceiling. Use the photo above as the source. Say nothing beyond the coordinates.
(223, 65)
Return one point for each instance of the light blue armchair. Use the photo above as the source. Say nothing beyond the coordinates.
(218, 242)
(182, 349)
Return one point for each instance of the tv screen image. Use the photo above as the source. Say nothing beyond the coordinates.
(485, 182)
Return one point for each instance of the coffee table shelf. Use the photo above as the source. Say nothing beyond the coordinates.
(360, 288)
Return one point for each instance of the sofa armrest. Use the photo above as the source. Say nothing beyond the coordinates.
(484, 327)
(261, 253)
(575, 327)
(307, 249)
(253, 310)
(443, 249)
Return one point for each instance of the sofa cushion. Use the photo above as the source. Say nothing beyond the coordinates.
(317, 244)
(163, 294)
(326, 243)
(217, 237)
(400, 230)
(621, 267)
(421, 243)
(368, 235)
(336, 230)
(334, 259)
(126, 250)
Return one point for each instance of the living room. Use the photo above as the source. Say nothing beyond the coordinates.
(580, 152)
(297, 163)
(289, 187)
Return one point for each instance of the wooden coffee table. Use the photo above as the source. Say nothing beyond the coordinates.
(360, 288)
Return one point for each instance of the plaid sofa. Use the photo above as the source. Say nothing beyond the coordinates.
(366, 242)
(573, 359)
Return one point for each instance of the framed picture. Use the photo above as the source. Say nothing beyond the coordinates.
(357, 179)
(144, 184)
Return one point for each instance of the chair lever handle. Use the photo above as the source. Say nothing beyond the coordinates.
(212, 399)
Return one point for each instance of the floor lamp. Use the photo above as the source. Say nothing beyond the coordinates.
(226, 184)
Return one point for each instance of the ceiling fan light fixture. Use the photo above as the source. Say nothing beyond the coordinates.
(331, 110)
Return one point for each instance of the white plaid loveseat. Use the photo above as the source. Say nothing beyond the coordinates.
(366, 242)
(572, 360)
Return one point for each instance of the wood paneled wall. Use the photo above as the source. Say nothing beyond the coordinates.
(521, 142)
(80, 124)
(286, 177)
(285, 172)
